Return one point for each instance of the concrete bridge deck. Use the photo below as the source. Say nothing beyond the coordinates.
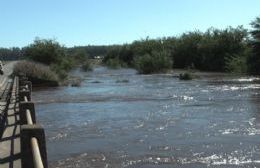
(10, 153)
(10, 150)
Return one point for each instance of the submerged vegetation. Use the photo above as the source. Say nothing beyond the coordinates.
(185, 76)
(122, 81)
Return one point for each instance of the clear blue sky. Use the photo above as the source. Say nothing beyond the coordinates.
(83, 22)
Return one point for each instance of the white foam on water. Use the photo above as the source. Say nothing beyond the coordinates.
(237, 87)
(220, 160)
(150, 160)
(251, 121)
(186, 98)
(140, 125)
(252, 86)
(160, 128)
(230, 131)
(253, 131)
(250, 131)
(251, 79)
(59, 136)
(210, 160)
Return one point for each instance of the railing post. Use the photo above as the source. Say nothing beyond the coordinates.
(22, 79)
(23, 106)
(24, 93)
(28, 83)
(27, 133)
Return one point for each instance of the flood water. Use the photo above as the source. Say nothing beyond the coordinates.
(151, 121)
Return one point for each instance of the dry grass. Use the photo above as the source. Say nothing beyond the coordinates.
(35, 70)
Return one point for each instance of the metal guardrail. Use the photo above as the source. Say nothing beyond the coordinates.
(37, 159)
(32, 135)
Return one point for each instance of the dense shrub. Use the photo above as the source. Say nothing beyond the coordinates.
(36, 72)
(238, 63)
(62, 74)
(186, 50)
(185, 76)
(209, 50)
(254, 59)
(212, 50)
(119, 56)
(79, 56)
(51, 53)
(147, 46)
(115, 63)
(45, 51)
(157, 61)
(86, 66)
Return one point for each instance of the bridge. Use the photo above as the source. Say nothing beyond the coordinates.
(22, 142)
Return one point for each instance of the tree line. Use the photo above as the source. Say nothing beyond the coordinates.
(224, 50)
(213, 50)
(228, 50)
(13, 53)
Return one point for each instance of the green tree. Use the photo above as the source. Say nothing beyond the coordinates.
(254, 59)
(80, 56)
(218, 46)
(45, 51)
(157, 61)
(185, 51)
(213, 50)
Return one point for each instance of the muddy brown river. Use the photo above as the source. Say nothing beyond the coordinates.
(119, 119)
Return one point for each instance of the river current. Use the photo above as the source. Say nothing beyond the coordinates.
(120, 119)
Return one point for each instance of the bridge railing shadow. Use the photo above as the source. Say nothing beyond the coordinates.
(10, 133)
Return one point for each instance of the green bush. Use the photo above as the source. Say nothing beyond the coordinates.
(86, 66)
(66, 64)
(115, 63)
(45, 51)
(207, 51)
(51, 53)
(153, 63)
(119, 56)
(254, 59)
(79, 56)
(62, 74)
(236, 64)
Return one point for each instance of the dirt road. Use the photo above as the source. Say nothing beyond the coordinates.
(8, 70)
